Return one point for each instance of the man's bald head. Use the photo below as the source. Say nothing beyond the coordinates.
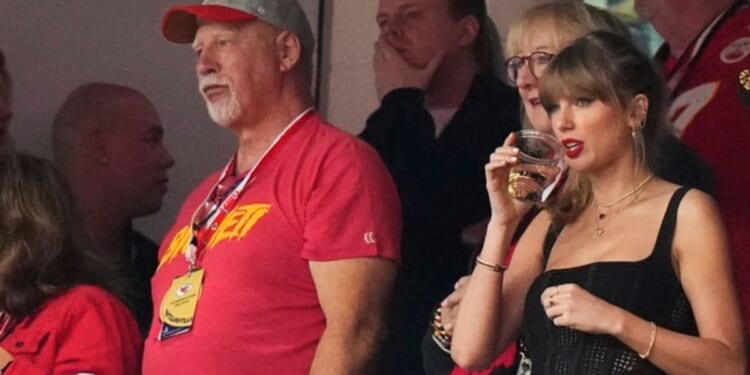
(109, 137)
(88, 108)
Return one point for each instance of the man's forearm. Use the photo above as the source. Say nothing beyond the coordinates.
(348, 352)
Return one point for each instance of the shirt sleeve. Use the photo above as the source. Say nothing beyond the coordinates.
(353, 209)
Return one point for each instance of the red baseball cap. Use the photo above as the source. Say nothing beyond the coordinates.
(181, 22)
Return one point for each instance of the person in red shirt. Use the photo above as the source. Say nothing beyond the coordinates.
(706, 54)
(284, 261)
(57, 312)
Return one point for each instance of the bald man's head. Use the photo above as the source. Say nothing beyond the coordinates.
(110, 136)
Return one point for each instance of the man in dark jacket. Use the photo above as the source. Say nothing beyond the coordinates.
(442, 113)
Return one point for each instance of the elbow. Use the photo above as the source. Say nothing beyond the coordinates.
(470, 360)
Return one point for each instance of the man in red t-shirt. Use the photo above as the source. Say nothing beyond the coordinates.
(706, 51)
(284, 261)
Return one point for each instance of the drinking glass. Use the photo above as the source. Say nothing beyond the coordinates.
(540, 164)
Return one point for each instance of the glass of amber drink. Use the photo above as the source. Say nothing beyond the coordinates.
(540, 164)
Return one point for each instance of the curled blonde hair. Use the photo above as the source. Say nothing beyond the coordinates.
(569, 19)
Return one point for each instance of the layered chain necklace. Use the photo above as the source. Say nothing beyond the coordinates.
(599, 215)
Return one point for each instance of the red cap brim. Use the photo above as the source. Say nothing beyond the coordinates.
(180, 23)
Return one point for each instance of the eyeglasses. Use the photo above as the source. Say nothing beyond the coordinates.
(538, 61)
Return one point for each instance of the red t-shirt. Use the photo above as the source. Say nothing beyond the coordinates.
(321, 195)
(84, 330)
(707, 111)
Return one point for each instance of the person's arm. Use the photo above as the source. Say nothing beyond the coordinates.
(492, 307)
(354, 296)
(401, 129)
(401, 89)
(701, 252)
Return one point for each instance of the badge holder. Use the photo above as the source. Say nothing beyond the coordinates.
(177, 310)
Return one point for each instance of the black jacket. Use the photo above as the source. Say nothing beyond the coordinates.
(442, 189)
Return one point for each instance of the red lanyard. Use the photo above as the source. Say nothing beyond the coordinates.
(204, 229)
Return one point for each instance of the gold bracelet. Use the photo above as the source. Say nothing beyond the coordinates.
(650, 343)
(499, 268)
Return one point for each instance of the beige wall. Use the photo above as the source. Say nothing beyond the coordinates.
(350, 92)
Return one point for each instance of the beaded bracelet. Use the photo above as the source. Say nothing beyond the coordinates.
(441, 337)
(499, 268)
(650, 343)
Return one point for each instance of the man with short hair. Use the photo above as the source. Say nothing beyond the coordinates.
(107, 142)
(282, 262)
(441, 115)
(706, 59)
(6, 114)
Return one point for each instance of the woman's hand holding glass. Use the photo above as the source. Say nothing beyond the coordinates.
(503, 207)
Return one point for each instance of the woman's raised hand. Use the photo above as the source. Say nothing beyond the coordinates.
(504, 208)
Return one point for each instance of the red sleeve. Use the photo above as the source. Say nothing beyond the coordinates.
(353, 210)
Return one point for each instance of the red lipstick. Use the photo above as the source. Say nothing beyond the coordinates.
(573, 147)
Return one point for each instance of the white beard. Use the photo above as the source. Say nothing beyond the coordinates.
(224, 112)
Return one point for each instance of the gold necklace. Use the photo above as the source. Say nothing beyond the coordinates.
(635, 190)
(599, 231)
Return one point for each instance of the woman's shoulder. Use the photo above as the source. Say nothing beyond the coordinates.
(699, 226)
(81, 305)
(697, 206)
(81, 298)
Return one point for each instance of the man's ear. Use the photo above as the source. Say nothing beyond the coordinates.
(290, 50)
(638, 110)
(469, 30)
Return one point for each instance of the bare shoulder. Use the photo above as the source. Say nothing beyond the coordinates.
(699, 228)
(697, 207)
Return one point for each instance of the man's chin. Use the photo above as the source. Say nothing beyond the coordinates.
(222, 115)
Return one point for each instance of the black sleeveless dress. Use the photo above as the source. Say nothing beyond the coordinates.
(648, 288)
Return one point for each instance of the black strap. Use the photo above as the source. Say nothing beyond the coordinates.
(552, 233)
(665, 238)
